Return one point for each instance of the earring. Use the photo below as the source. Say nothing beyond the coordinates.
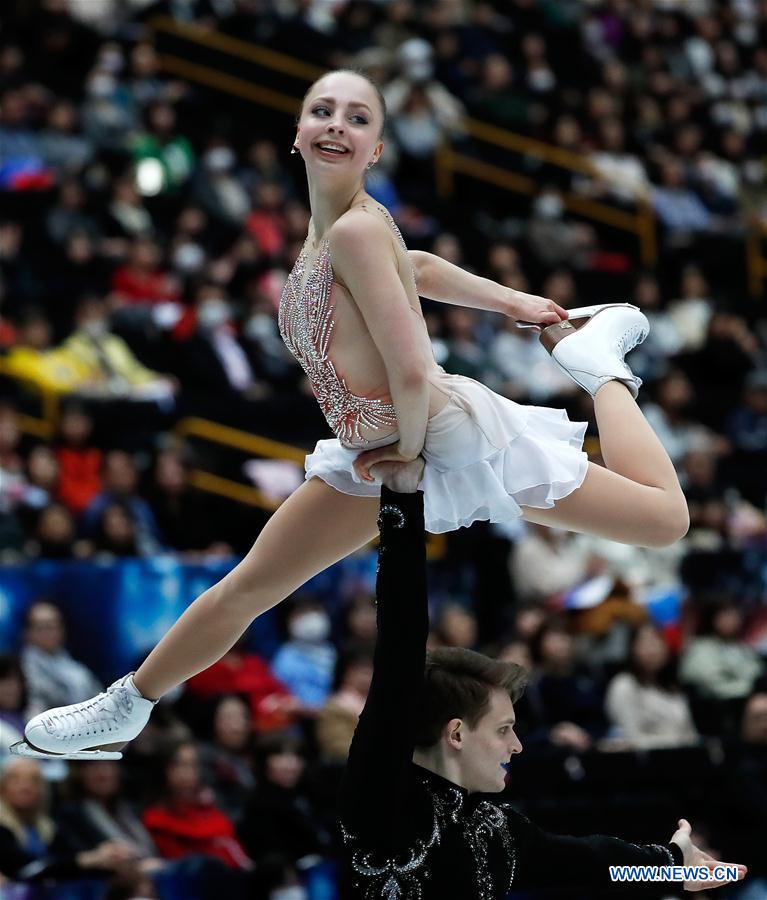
(293, 149)
(371, 164)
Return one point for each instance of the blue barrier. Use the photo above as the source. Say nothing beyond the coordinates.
(117, 611)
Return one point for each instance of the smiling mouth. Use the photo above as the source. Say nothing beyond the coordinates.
(335, 150)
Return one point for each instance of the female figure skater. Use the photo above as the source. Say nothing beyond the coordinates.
(350, 313)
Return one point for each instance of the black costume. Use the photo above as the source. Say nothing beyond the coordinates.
(408, 834)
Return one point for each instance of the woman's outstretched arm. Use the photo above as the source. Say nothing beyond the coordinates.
(440, 280)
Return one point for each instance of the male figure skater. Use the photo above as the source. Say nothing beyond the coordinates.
(420, 813)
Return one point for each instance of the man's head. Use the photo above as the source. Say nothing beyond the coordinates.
(466, 721)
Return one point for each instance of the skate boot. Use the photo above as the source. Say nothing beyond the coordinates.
(94, 729)
(590, 346)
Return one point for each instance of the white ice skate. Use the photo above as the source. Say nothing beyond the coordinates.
(94, 729)
(591, 345)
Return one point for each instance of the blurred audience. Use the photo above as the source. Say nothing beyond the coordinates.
(338, 718)
(53, 677)
(645, 704)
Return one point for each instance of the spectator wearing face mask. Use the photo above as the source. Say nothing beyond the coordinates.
(107, 366)
(218, 190)
(215, 367)
(306, 661)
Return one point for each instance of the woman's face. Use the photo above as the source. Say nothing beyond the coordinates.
(118, 528)
(650, 650)
(362, 620)
(101, 779)
(728, 623)
(285, 768)
(675, 393)
(22, 786)
(11, 691)
(183, 772)
(56, 526)
(43, 468)
(557, 648)
(232, 723)
(341, 111)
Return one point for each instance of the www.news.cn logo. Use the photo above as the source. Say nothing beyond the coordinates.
(673, 873)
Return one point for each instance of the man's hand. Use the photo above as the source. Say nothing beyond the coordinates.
(527, 309)
(368, 458)
(693, 856)
(403, 478)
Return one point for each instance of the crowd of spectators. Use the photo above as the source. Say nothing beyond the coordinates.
(145, 235)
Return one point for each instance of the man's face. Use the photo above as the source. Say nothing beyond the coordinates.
(489, 746)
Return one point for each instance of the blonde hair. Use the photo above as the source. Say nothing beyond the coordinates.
(9, 819)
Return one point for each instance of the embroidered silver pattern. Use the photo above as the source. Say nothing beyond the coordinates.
(306, 324)
(664, 850)
(391, 509)
(388, 509)
(394, 879)
(390, 878)
(486, 823)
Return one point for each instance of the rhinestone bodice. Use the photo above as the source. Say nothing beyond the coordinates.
(306, 321)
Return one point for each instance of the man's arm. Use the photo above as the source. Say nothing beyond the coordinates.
(548, 860)
(558, 860)
(381, 753)
(438, 279)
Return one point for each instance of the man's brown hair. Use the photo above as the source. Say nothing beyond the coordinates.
(458, 684)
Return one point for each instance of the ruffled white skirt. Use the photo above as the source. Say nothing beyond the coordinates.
(486, 457)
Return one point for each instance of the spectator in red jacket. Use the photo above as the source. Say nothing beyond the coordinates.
(274, 708)
(142, 279)
(79, 462)
(186, 821)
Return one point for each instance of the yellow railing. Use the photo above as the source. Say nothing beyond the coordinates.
(43, 426)
(235, 439)
(641, 222)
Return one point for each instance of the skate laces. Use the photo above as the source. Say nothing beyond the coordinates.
(630, 338)
(115, 703)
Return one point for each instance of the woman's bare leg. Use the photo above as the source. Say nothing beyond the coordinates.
(315, 527)
(637, 498)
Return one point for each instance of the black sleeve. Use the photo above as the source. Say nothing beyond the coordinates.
(374, 783)
(548, 860)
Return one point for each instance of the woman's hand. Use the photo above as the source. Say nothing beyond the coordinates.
(403, 478)
(528, 309)
(693, 856)
(369, 458)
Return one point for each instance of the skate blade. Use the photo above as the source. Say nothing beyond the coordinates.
(22, 748)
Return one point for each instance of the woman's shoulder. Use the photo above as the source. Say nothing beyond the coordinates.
(360, 222)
